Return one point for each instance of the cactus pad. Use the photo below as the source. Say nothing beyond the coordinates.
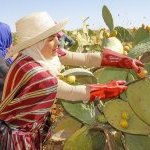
(138, 95)
(113, 111)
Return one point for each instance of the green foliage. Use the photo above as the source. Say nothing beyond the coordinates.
(140, 48)
(83, 112)
(137, 142)
(107, 18)
(113, 111)
(138, 95)
(106, 75)
(101, 118)
(84, 139)
(140, 35)
(123, 34)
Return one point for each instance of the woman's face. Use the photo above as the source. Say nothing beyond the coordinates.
(50, 46)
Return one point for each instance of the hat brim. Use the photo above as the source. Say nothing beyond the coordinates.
(20, 46)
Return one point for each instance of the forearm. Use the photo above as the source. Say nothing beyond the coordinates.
(81, 59)
(72, 93)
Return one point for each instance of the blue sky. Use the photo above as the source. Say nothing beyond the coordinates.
(127, 13)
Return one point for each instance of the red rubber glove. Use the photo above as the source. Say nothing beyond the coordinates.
(114, 59)
(60, 34)
(107, 91)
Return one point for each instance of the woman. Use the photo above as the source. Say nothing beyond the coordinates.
(31, 85)
(5, 43)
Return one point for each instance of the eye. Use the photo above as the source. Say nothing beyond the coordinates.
(51, 38)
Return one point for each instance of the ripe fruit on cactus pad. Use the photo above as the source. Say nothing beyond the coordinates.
(124, 123)
(143, 73)
(125, 115)
(113, 110)
(71, 79)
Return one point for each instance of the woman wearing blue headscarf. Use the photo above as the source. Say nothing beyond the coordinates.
(5, 43)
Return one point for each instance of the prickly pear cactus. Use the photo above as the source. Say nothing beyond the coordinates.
(140, 35)
(123, 34)
(105, 75)
(84, 139)
(106, 14)
(83, 76)
(138, 95)
(140, 48)
(114, 44)
(114, 112)
(137, 142)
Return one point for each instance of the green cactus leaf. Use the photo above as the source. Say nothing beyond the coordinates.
(83, 112)
(106, 75)
(132, 76)
(140, 48)
(84, 139)
(113, 111)
(140, 35)
(107, 18)
(123, 34)
(83, 76)
(137, 142)
(138, 95)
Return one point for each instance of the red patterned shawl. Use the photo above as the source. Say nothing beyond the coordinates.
(28, 94)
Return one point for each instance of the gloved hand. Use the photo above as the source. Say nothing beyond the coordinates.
(65, 41)
(107, 91)
(60, 34)
(114, 59)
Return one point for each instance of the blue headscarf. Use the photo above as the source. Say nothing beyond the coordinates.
(5, 41)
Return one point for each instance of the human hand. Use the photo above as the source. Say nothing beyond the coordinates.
(114, 59)
(107, 91)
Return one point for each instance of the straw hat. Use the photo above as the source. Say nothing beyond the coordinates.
(34, 28)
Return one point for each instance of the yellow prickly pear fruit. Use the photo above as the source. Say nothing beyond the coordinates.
(130, 45)
(125, 115)
(126, 48)
(143, 73)
(71, 79)
(113, 33)
(61, 76)
(124, 123)
(125, 52)
(106, 34)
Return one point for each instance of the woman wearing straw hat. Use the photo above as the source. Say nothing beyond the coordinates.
(31, 85)
(5, 43)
